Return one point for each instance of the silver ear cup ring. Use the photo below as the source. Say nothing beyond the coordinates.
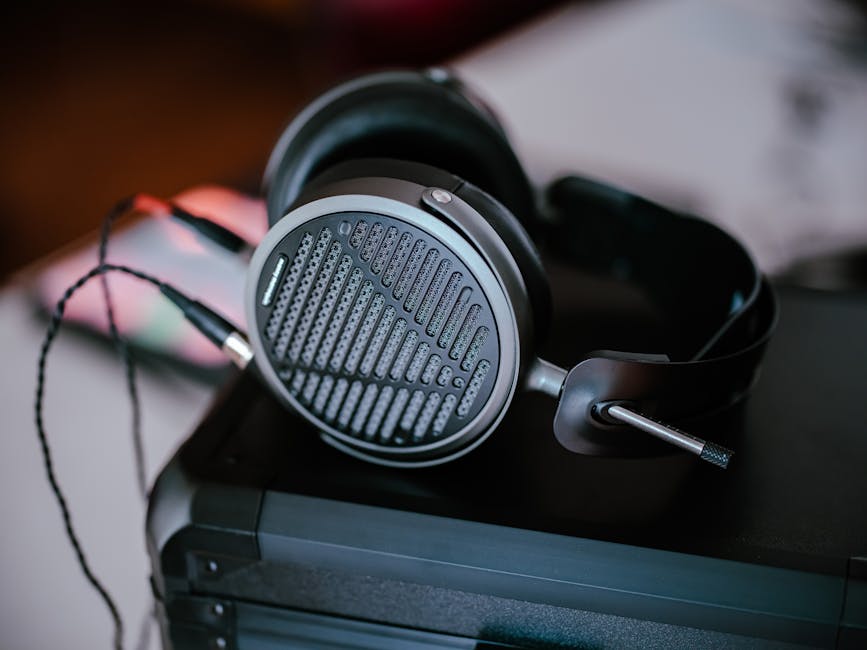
(390, 316)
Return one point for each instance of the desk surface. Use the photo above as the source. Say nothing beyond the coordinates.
(44, 600)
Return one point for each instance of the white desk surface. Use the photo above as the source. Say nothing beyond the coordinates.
(751, 114)
(44, 599)
(689, 103)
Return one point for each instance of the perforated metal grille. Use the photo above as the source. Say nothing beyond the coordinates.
(377, 329)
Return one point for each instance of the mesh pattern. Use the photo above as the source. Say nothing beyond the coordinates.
(378, 330)
(289, 283)
(716, 454)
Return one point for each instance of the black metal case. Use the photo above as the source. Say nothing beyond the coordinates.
(261, 536)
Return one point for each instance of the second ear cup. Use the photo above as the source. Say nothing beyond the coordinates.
(401, 115)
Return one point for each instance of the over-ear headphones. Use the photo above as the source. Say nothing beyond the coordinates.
(397, 301)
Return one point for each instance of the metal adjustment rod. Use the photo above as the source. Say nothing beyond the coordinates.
(707, 451)
(548, 378)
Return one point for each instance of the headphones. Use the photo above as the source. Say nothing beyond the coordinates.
(397, 301)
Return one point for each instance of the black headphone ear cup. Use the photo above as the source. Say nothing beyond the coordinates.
(401, 115)
(509, 229)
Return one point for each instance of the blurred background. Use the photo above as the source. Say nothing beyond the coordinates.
(103, 99)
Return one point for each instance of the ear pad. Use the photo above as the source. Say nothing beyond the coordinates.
(504, 223)
(402, 115)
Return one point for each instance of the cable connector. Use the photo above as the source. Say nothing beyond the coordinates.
(209, 229)
(238, 349)
(215, 327)
(218, 234)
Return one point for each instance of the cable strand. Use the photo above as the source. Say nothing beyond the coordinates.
(122, 347)
(50, 335)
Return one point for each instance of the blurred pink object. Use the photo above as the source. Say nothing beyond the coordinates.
(171, 252)
(242, 214)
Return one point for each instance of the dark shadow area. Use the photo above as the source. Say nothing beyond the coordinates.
(102, 99)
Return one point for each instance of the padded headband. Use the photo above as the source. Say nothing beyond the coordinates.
(423, 117)
(720, 310)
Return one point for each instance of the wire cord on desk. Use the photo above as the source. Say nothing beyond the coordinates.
(50, 335)
(209, 229)
(216, 328)
(129, 367)
(120, 344)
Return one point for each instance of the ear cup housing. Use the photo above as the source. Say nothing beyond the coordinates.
(414, 116)
(398, 323)
(508, 228)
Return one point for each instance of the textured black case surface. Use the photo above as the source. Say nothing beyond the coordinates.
(522, 542)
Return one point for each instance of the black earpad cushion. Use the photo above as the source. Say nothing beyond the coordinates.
(512, 233)
(401, 115)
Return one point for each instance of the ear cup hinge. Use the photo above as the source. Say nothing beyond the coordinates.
(545, 377)
(610, 389)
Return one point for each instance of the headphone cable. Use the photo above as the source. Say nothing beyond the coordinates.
(208, 228)
(50, 335)
(120, 344)
(214, 326)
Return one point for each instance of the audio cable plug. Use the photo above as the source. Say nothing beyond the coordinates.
(209, 229)
(215, 327)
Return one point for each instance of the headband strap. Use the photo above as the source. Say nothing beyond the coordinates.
(719, 310)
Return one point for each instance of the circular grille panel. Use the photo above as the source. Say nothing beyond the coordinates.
(377, 329)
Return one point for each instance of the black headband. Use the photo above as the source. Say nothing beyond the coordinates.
(720, 309)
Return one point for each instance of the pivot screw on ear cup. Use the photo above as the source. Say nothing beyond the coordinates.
(441, 196)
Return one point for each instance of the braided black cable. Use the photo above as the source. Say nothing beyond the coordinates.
(120, 344)
(50, 335)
